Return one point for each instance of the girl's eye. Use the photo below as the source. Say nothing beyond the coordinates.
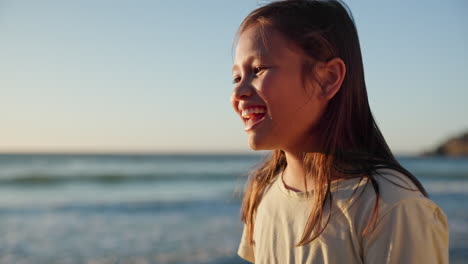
(258, 69)
(236, 79)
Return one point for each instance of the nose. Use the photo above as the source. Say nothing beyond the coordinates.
(242, 90)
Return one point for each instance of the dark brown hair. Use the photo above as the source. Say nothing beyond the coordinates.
(353, 144)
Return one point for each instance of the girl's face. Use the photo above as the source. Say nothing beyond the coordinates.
(267, 72)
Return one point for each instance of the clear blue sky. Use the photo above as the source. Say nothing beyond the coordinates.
(105, 75)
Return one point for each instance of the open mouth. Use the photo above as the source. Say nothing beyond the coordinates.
(253, 116)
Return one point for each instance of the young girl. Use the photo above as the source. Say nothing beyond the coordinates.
(331, 191)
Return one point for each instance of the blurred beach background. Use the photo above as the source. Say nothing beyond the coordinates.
(158, 208)
(118, 143)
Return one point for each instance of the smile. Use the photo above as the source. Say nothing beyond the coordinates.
(251, 111)
(252, 115)
(253, 121)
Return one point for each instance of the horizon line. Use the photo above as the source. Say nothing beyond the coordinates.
(130, 152)
(154, 152)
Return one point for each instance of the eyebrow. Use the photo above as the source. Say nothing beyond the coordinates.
(234, 67)
(250, 59)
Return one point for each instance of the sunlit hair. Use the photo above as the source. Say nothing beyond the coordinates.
(352, 143)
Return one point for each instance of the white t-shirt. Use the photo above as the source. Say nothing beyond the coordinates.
(411, 228)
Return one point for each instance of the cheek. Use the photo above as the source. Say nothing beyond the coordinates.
(274, 89)
(233, 102)
(285, 97)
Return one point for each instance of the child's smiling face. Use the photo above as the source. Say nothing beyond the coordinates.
(268, 72)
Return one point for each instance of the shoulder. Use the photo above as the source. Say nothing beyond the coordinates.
(395, 187)
(410, 227)
(400, 197)
(397, 195)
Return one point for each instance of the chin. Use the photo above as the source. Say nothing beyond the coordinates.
(256, 144)
(255, 147)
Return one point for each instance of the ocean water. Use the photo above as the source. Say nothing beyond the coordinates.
(100, 209)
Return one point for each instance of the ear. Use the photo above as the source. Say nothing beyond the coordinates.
(331, 74)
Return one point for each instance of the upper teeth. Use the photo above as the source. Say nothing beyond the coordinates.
(251, 110)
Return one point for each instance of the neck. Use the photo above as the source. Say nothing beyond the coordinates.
(293, 175)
